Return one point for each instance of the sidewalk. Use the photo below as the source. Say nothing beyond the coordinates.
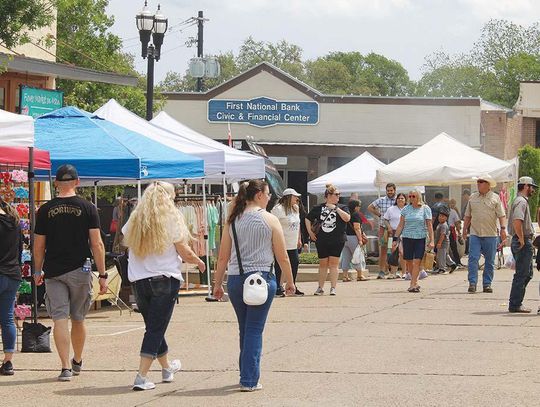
(374, 344)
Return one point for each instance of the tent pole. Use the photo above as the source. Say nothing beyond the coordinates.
(32, 215)
(139, 190)
(309, 245)
(207, 247)
(224, 196)
(51, 184)
(95, 193)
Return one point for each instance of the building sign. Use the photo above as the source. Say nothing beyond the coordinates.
(35, 102)
(263, 112)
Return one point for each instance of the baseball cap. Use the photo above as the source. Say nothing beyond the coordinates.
(527, 181)
(291, 191)
(66, 172)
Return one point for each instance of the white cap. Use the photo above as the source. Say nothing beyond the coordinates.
(291, 191)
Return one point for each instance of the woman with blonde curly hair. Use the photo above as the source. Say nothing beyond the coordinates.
(157, 238)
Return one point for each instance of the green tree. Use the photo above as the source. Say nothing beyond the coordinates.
(529, 164)
(84, 39)
(504, 55)
(20, 16)
(354, 73)
(283, 55)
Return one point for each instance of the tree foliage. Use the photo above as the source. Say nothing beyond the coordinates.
(504, 55)
(17, 17)
(84, 39)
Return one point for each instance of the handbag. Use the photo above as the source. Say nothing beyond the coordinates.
(317, 224)
(428, 260)
(255, 290)
(36, 338)
(114, 226)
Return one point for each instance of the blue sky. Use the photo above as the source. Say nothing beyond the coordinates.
(404, 30)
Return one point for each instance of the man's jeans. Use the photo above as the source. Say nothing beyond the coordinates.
(155, 299)
(524, 271)
(8, 291)
(251, 320)
(488, 247)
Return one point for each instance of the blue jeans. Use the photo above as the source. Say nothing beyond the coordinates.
(488, 247)
(524, 271)
(8, 292)
(155, 299)
(251, 320)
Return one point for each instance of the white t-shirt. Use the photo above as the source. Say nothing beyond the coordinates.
(169, 263)
(290, 224)
(453, 217)
(393, 215)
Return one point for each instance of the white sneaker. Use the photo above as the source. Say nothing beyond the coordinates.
(259, 386)
(332, 291)
(319, 291)
(142, 383)
(167, 375)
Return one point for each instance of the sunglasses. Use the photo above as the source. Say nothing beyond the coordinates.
(336, 193)
(481, 181)
(413, 196)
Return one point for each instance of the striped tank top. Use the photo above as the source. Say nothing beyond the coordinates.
(254, 241)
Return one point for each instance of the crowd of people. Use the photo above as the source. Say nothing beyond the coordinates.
(258, 248)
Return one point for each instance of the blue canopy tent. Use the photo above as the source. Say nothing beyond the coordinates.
(105, 152)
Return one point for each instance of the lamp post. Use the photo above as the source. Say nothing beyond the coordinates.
(155, 25)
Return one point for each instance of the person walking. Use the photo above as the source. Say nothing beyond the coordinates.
(330, 218)
(521, 229)
(442, 242)
(354, 239)
(454, 221)
(414, 227)
(64, 228)
(10, 279)
(378, 208)
(157, 238)
(392, 217)
(251, 239)
(288, 213)
(481, 214)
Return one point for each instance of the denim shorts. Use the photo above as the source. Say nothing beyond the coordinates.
(69, 294)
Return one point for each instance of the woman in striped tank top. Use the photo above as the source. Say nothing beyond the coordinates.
(260, 238)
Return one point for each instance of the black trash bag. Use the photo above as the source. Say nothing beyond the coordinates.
(36, 338)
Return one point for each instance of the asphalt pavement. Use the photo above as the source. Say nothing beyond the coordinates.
(373, 344)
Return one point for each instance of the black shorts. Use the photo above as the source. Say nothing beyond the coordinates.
(328, 248)
(413, 249)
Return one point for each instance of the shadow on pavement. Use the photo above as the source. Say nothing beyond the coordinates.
(92, 391)
(219, 391)
(27, 382)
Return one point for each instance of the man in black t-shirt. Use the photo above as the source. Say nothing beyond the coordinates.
(66, 234)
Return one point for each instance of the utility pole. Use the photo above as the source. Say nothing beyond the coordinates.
(200, 26)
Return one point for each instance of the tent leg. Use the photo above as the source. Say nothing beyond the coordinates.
(32, 215)
(207, 247)
(139, 190)
(224, 197)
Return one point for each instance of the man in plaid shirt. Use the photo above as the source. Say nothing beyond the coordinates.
(378, 208)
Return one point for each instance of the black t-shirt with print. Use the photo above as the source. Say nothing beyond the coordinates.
(65, 222)
(333, 228)
(355, 218)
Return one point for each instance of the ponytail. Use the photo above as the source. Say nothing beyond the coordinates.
(247, 192)
(9, 210)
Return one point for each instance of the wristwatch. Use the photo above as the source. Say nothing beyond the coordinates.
(105, 276)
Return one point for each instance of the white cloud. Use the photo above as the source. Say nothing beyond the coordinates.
(519, 11)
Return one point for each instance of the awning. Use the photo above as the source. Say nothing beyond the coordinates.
(19, 156)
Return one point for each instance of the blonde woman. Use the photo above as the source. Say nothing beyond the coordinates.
(157, 238)
(330, 237)
(414, 227)
(288, 212)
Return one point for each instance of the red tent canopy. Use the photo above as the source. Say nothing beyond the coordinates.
(19, 156)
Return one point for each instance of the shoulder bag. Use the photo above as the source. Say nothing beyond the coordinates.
(255, 291)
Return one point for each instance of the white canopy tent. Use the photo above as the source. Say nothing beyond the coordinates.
(445, 161)
(239, 165)
(16, 130)
(355, 176)
(214, 159)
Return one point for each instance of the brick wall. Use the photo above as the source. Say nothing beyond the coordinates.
(494, 124)
(513, 135)
(529, 131)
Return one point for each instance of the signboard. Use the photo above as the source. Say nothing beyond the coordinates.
(35, 102)
(263, 112)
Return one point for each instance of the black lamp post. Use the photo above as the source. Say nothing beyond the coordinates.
(157, 26)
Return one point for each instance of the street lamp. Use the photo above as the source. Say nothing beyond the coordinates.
(157, 26)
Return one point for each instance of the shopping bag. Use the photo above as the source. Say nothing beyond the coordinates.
(357, 256)
(510, 262)
(428, 261)
(36, 338)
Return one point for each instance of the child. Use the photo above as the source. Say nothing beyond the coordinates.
(442, 241)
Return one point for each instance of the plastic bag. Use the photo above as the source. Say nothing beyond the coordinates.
(510, 262)
(357, 256)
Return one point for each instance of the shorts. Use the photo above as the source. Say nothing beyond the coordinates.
(413, 249)
(326, 249)
(69, 295)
